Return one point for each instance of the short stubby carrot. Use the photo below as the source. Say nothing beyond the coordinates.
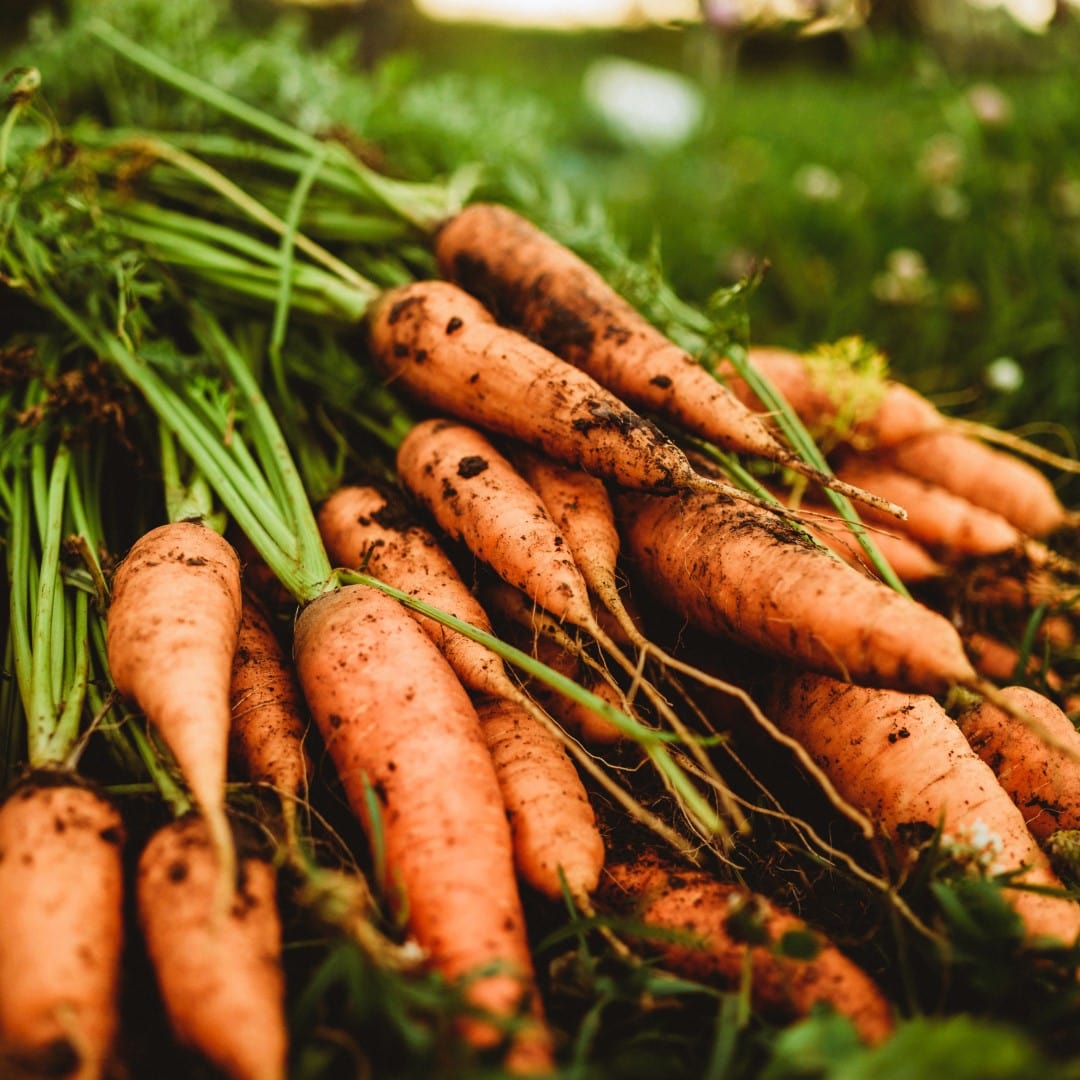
(407, 746)
(61, 908)
(221, 979)
(1043, 781)
(268, 724)
(441, 345)
(367, 527)
(710, 912)
(903, 761)
(738, 572)
(479, 498)
(171, 631)
(552, 821)
(985, 476)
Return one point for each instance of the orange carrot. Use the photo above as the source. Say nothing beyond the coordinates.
(407, 746)
(731, 932)
(268, 725)
(171, 635)
(551, 819)
(221, 980)
(1044, 783)
(1000, 661)
(446, 349)
(904, 762)
(987, 477)
(61, 898)
(738, 572)
(542, 288)
(365, 526)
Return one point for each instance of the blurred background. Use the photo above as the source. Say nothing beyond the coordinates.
(908, 170)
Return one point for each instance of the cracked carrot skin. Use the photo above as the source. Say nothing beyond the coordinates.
(730, 928)
(445, 348)
(903, 761)
(402, 731)
(61, 895)
(220, 978)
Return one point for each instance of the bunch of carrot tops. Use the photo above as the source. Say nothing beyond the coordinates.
(379, 575)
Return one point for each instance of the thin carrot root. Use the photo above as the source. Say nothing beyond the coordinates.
(726, 931)
(61, 894)
(172, 629)
(221, 980)
(1042, 782)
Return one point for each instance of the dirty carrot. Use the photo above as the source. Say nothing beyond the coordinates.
(221, 979)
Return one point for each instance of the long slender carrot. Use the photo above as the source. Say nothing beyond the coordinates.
(708, 914)
(61, 895)
(407, 746)
(446, 349)
(221, 980)
(1041, 781)
(903, 760)
(171, 635)
(539, 286)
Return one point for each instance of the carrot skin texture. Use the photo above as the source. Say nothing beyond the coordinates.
(61, 895)
(446, 349)
(171, 634)
(905, 763)
(221, 981)
(985, 476)
(738, 572)
(478, 497)
(1041, 781)
(268, 727)
(551, 819)
(398, 723)
(538, 285)
(693, 902)
(362, 526)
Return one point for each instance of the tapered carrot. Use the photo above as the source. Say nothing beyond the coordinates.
(221, 980)
(61, 910)
(552, 821)
(906, 764)
(1043, 782)
(268, 725)
(727, 933)
(738, 572)
(1002, 662)
(541, 287)
(445, 348)
(407, 746)
(172, 628)
(985, 476)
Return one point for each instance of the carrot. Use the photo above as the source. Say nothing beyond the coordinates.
(268, 725)
(446, 349)
(738, 572)
(902, 760)
(366, 526)
(221, 980)
(726, 931)
(1042, 782)
(408, 749)
(538, 286)
(61, 895)
(171, 635)
(552, 821)
(1001, 662)
(985, 476)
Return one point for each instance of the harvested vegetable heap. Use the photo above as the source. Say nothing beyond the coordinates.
(466, 677)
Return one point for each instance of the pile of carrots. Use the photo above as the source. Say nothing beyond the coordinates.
(526, 650)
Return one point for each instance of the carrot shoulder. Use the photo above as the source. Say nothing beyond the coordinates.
(406, 743)
(710, 913)
(61, 898)
(905, 763)
(221, 980)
